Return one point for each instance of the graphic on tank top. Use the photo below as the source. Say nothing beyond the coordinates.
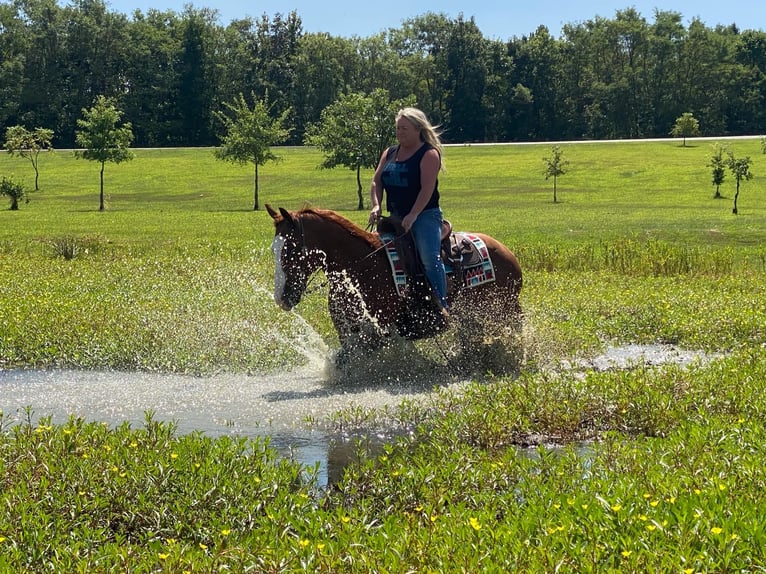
(395, 174)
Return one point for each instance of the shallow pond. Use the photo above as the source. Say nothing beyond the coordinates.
(291, 408)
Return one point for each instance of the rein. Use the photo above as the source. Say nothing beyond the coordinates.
(371, 227)
(304, 252)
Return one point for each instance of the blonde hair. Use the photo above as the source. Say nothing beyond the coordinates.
(428, 133)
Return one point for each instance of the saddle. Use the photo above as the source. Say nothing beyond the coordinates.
(424, 317)
(458, 251)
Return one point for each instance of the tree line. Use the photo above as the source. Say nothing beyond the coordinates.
(173, 74)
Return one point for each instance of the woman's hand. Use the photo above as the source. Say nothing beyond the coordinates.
(374, 215)
(408, 221)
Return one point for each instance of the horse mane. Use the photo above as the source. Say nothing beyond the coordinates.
(352, 228)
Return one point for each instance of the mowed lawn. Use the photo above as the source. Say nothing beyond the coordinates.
(649, 189)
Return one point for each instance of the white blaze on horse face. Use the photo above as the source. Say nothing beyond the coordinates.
(280, 278)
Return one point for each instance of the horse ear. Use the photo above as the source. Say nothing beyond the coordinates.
(286, 215)
(271, 211)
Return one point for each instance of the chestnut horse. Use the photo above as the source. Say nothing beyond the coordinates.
(362, 295)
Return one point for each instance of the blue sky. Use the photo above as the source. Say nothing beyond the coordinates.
(498, 19)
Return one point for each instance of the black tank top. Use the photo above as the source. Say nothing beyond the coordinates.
(401, 181)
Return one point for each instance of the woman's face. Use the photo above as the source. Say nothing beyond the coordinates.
(406, 132)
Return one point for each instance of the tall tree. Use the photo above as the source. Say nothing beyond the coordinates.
(196, 88)
(324, 66)
(381, 67)
(498, 92)
(279, 40)
(13, 49)
(46, 66)
(354, 130)
(467, 65)
(28, 145)
(750, 52)
(102, 137)
(421, 43)
(630, 32)
(95, 41)
(249, 135)
(537, 72)
(696, 79)
(152, 68)
(664, 93)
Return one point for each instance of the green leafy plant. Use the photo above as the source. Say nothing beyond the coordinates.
(555, 166)
(102, 137)
(250, 134)
(686, 126)
(14, 190)
(28, 144)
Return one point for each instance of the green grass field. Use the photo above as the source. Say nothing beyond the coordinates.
(659, 468)
(634, 208)
(659, 190)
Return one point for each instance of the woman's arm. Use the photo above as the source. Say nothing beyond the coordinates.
(376, 189)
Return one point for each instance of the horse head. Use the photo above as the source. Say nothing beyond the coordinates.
(294, 262)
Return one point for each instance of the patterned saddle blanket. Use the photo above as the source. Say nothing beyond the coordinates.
(465, 257)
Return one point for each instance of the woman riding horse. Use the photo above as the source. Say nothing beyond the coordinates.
(362, 292)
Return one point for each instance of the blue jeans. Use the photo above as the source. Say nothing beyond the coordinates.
(427, 234)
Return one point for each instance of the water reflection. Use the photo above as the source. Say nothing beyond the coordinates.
(290, 408)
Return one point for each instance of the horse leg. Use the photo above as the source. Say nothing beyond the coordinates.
(357, 330)
(489, 326)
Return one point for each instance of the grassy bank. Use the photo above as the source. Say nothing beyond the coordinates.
(662, 468)
(176, 274)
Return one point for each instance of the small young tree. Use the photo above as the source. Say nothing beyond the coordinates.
(101, 138)
(686, 126)
(354, 130)
(717, 164)
(13, 190)
(554, 167)
(250, 133)
(740, 168)
(28, 144)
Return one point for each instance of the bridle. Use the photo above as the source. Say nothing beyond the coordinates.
(304, 253)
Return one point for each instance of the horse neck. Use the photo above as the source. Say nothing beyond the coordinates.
(339, 244)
